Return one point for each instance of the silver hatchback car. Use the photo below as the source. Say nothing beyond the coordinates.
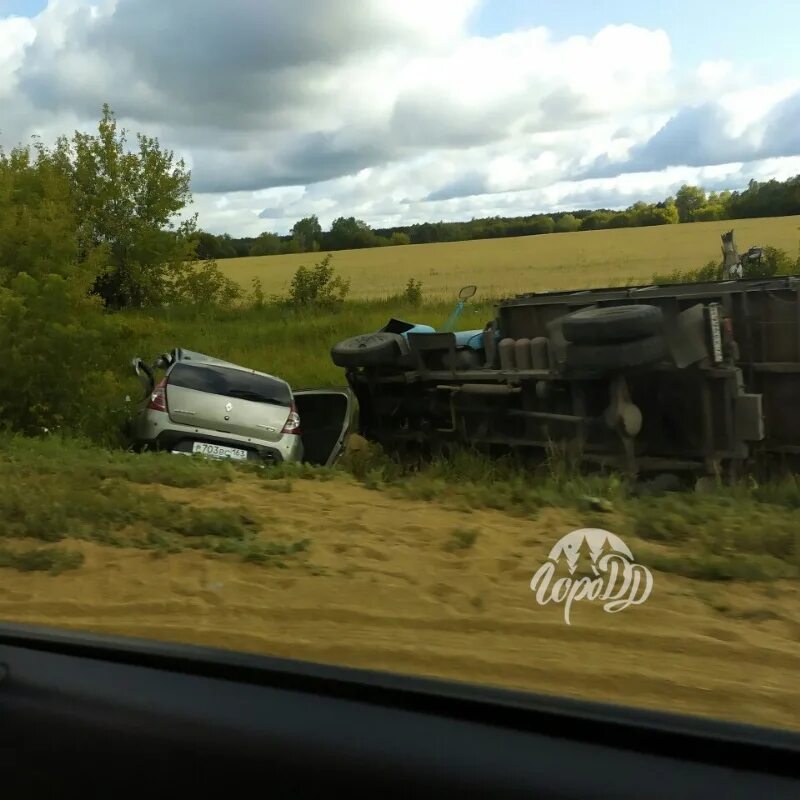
(223, 410)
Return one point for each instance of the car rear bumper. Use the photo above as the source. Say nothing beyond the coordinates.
(177, 442)
(180, 440)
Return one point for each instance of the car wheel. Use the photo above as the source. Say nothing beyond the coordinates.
(612, 324)
(619, 356)
(368, 350)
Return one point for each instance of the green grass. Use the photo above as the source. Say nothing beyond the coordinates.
(54, 560)
(59, 489)
(743, 532)
(292, 344)
(296, 344)
(24, 457)
(460, 539)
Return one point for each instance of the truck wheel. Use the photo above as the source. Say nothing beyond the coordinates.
(612, 324)
(612, 357)
(368, 350)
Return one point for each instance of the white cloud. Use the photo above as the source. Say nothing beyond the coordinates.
(16, 34)
(386, 109)
(715, 74)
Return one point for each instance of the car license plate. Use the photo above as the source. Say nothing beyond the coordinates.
(219, 451)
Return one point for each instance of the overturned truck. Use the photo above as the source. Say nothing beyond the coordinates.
(696, 377)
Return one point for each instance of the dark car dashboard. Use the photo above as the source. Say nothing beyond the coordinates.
(103, 714)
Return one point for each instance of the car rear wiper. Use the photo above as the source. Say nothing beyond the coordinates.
(244, 394)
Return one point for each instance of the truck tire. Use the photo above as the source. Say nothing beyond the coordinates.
(368, 350)
(614, 357)
(465, 359)
(612, 324)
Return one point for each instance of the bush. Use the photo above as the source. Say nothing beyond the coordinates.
(52, 559)
(257, 297)
(56, 344)
(412, 294)
(774, 261)
(318, 286)
(203, 285)
(711, 271)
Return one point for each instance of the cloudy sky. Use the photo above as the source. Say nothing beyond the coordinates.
(400, 111)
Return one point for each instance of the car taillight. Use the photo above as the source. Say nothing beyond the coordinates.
(158, 397)
(293, 422)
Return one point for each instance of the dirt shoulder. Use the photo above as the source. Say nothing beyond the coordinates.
(417, 587)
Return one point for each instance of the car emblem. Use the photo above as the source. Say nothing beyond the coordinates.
(228, 406)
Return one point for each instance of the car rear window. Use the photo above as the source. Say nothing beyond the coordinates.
(230, 383)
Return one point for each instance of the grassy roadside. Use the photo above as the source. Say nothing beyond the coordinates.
(59, 491)
(292, 344)
(743, 532)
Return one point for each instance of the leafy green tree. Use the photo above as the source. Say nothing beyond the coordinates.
(130, 201)
(349, 233)
(688, 201)
(543, 224)
(708, 213)
(308, 233)
(38, 227)
(645, 214)
(290, 245)
(241, 247)
(267, 244)
(399, 237)
(424, 232)
(669, 210)
(209, 246)
(567, 223)
(226, 247)
(54, 338)
(595, 221)
(621, 220)
(205, 245)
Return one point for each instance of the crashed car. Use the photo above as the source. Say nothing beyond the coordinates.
(699, 378)
(203, 405)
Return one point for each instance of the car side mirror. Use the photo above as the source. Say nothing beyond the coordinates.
(467, 292)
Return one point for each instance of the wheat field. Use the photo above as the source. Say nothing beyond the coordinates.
(528, 263)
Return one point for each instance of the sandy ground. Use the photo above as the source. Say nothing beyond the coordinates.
(376, 589)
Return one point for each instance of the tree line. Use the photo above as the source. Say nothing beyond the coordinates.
(690, 204)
